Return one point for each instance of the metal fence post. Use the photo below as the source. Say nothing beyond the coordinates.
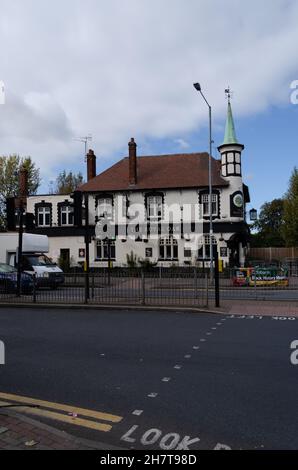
(143, 301)
(86, 290)
(207, 289)
(92, 287)
(196, 282)
(34, 287)
(216, 279)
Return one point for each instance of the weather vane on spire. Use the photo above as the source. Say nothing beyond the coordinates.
(228, 93)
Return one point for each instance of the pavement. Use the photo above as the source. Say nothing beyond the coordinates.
(18, 432)
(254, 307)
(149, 379)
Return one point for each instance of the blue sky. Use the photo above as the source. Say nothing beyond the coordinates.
(125, 68)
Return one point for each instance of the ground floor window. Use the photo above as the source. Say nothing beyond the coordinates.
(204, 249)
(168, 249)
(105, 250)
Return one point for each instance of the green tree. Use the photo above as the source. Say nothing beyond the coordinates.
(290, 225)
(269, 225)
(9, 179)
(67, 182)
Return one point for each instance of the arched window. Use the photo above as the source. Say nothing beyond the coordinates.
(168, 248)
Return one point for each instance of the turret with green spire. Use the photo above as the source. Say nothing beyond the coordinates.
(230, 149)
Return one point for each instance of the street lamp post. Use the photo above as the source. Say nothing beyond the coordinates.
(87, 241)
(198, 88)
(20, 247)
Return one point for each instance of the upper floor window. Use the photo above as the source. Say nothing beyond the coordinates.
(154, 204)
(105, 207)
(66, 215)
(44, 216)
(231, 164)
(205, 204)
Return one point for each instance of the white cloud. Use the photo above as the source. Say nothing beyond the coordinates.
(182, 143)
(118, 69)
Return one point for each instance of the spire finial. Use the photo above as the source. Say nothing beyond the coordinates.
(229, 94)
(230, 134)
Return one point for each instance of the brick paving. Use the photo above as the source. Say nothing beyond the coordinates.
(18, 432)
(263, 307)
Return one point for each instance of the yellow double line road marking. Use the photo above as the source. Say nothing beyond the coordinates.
(71, 410)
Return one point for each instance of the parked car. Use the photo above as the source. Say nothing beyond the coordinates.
(9, 280)
(47, 273)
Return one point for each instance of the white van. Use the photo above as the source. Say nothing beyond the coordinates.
(34, 260)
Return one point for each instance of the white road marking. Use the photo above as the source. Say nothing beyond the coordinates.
(177, 366)
(208, 333)
(196, 347)
(150, 437)
(187, 356)
(152, 395)
(126, 437)
(155, 436)
(137, 412)
(219, 324)
(169, 441)
(166, 379)
(220, 446)
(202, 340)
(214, 328)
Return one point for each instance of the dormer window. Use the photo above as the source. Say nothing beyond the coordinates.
(104, 206)
(154, 205)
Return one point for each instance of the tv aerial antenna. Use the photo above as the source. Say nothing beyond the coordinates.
(85, 140)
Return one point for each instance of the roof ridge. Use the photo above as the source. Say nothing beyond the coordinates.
(170, 155)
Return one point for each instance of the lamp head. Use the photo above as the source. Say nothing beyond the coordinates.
(197, 86)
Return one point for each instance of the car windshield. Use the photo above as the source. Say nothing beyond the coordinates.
(40, 260)
(5, 268)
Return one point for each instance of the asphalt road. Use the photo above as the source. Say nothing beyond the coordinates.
(177, 380)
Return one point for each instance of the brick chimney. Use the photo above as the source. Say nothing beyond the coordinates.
(91, 165)
(23, 183)
(132, 149)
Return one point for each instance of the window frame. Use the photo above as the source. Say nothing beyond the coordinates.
(204, 204)
(168, 249)
(43, 209)
(108, 214)
(157, 205)
(102, 246)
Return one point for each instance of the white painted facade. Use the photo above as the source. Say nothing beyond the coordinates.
(131, 207)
